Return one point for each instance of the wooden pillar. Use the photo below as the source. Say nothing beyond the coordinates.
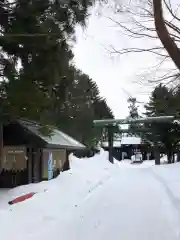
(1, 148)
(29, 165)
(178, 156)
(40, 164)
(157, 156)
(66, 165)
(36, 165)
(110, 143)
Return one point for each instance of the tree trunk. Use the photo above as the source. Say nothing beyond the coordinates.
(157, 156)
(163, 34)
(1, 148)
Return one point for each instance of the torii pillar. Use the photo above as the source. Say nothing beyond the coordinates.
(110, 143)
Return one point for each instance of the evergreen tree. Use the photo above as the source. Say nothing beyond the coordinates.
(83, 104)
(163, 102)
(35, 34)
(133, 108)
(133, 114)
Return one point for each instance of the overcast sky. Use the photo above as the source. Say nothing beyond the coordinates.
(115, 76)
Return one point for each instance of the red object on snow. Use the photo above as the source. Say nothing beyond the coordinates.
(21, 198)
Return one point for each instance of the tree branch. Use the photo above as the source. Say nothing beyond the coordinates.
(169, 7)
(133, 33)
(164, 35)
(140, 25)
(139, 50)
(173, 27)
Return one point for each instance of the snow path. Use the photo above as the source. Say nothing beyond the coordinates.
(99, 201)
(132, 209)
(133, 205)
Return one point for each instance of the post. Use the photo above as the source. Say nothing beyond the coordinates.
(29, 164)
(1, 148)
(178, 156)
(157, 156)
(110, 143)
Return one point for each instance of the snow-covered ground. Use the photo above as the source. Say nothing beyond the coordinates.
(97, 200)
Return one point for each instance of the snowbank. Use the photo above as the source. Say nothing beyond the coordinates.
(81, 173)
(54, 197)
(83, 202)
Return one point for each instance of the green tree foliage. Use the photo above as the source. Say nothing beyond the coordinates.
(163, 102)
(83, 104)
(133, 114)
(37, 78)
(34, 35)
(133, 108)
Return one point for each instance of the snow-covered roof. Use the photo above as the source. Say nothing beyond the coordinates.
(130, 140)
(57, 138)
(124, 141)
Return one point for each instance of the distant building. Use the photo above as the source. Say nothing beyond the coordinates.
(126, 146)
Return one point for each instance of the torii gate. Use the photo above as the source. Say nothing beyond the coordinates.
(110, 123)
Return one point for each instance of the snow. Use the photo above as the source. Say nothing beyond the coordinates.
(131, 141)
(125, 140)
(97, 200)
(115, 143)
(57, 137)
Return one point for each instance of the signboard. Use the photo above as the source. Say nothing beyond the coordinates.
(50, 166)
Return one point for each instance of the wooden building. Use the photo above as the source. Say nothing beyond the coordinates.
(126, 146)
(30, 157)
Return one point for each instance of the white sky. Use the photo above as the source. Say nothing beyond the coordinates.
(115, 76)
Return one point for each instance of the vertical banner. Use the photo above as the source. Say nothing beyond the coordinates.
(50, 166)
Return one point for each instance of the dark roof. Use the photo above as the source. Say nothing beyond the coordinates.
(56, 139)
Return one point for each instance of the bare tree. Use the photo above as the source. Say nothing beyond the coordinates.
(157, 24)
(168, 41)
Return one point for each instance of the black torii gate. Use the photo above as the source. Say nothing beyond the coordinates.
(111, 123)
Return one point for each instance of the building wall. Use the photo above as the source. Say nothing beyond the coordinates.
(15, 158)
(59, 158)
(14, 170)
(19, 170)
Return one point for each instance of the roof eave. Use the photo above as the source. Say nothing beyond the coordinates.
(58, 146)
